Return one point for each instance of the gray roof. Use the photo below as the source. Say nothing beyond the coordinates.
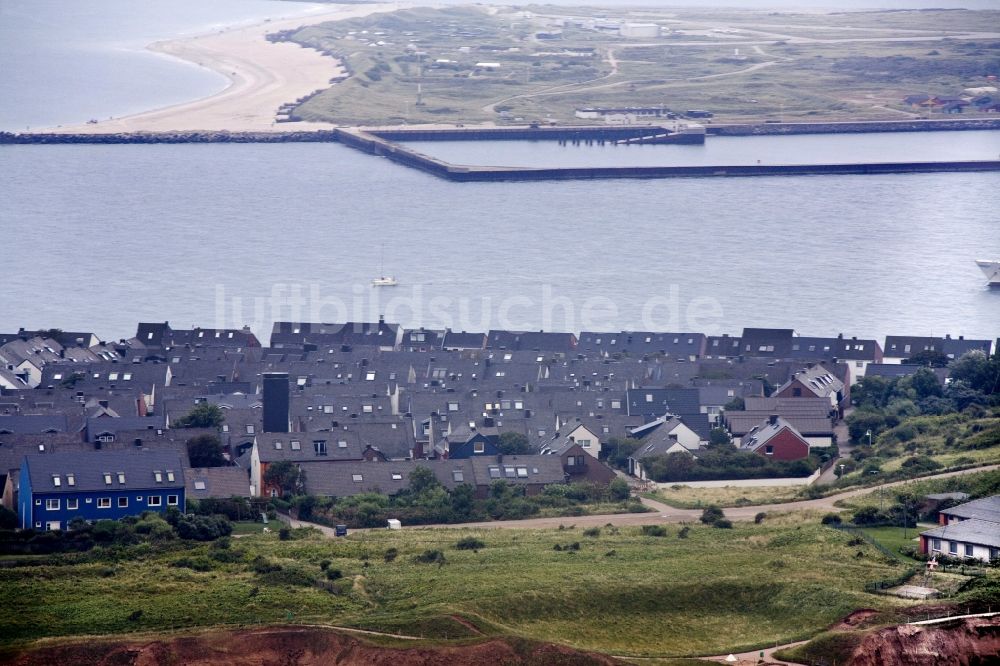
(974, 531)
(21, 425)
(519, 470)
(300, 447)
(216, 482)
(765, 432)
(740, 423)
(987, 508)
(89, 470)
(354, 478)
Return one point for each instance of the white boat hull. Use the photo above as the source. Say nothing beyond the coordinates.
(992, 271)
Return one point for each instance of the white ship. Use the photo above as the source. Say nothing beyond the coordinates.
(383, 280)
(992, 271)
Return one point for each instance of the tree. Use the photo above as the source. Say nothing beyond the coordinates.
(719, 436)
(286, 476)
(8, 519)
(860, 423)
(205, 451)
(929, 358)
(202, 415)
(619, 449)
(737, 404)
(977, 371)
(926, 384)
(618, 490)
(514, 443)
(422, 480)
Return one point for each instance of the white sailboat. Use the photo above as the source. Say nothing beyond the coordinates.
(383, 280)
(992, 271)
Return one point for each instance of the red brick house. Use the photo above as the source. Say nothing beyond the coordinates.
(776, 438)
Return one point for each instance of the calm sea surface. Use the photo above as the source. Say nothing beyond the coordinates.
(65, 62)
(102, 236)
(99, 237)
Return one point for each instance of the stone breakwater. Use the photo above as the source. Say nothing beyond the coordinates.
(170, 137)
(766, 129)
(384, 143)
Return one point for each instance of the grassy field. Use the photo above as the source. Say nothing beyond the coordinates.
(895, 538)
(617, 592)
(686, 497)
(426, 65)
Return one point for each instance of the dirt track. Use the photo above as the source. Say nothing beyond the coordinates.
(667, 514)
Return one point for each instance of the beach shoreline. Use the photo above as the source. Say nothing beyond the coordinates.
(262, 76)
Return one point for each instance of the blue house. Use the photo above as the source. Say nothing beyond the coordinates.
(55, 488)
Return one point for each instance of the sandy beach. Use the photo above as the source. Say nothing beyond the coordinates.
(262, 76)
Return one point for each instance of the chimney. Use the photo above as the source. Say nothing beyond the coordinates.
(275, 401)
(773, 419)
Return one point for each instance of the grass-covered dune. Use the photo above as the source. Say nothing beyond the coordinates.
(618, 592)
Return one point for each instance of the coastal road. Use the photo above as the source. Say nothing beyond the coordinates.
(663, 513)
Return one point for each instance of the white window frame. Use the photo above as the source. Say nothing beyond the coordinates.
(52, 504)
(103, 502)
(154, 500)
(122, 502)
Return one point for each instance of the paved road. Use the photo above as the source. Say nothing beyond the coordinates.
(663, 513)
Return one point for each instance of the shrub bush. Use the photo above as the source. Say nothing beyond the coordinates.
(470, 543)
(723, 523)
(391, 554)
(711, 514)
(203, 528)
(193, 563)
(429, 557)
(683, 533)
(653, 530)
(592, 532)
(832, 519)
(759, 518)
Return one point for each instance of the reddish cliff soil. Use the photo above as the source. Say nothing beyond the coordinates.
(300, 646)
(966, 642)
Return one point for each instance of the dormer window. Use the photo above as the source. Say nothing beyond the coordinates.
(107, 478)
(158, 476)
(319, 447)
(357, 478)
(56, 481)
(121, 477)
(170, 475)
(277, 446)
(249, 428)
(369, 376)
(127, 376)
(199, 485)
(396, 476)
(70, 479)
(342, 444)
(112, 376)
(296, 445)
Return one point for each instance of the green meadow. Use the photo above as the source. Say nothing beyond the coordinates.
(617, 591)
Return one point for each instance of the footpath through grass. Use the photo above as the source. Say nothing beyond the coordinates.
(614, 591)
